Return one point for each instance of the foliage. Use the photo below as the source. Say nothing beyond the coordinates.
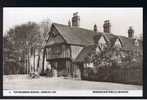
(108, 60)
(18, 42)
(25, 35)
(45, 28)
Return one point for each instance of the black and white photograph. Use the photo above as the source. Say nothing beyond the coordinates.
(72, 51)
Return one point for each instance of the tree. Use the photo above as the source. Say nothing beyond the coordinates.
(20, 39)
(45, 28)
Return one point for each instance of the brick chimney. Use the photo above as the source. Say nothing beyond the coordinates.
(130, 32)
(76, 20)
(95, 28)
(107, 26)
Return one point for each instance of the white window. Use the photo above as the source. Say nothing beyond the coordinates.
(90, 65)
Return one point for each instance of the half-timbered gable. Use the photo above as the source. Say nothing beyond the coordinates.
(58, 51)
(54, 37)
(102, 43)
(75, 50)
(117, 43)
(98, 50)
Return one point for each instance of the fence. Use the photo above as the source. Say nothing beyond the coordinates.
(131, 74)
(127, 75)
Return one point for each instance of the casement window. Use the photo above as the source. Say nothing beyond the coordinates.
(56, 50)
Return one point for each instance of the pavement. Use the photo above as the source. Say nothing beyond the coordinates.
(23, 82)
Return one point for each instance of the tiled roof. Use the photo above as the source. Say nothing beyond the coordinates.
(127, 45)
(75, 35)
(110, 38)
(80, 36)
(85, 51)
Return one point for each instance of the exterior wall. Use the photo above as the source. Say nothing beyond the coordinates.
(58, 51)
(63, 59)
(56, 46)
(75, 50)
(63, 66)
(76, 72)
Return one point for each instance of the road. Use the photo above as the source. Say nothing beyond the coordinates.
(22, 82)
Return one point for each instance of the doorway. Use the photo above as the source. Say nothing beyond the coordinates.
(62, 66)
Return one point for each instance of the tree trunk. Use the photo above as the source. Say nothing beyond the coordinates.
(34, 62)
(43, 60)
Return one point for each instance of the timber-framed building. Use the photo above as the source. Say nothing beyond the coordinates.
(67, 45)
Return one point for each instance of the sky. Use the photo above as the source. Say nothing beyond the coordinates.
(120, 18)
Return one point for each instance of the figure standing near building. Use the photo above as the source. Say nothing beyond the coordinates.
(48, 69)
(54, 71)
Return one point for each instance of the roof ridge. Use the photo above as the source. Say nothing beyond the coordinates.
(75, 27)
(90, 30)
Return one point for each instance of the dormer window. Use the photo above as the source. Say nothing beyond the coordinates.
(97, 50)
(117, 43)
(136, 43)
(102, 43)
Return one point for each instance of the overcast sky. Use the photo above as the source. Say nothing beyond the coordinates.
(120, 18)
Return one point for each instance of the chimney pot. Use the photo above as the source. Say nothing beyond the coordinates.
(107, 26)
(76, 20)
(130, 32)
(95, 28)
